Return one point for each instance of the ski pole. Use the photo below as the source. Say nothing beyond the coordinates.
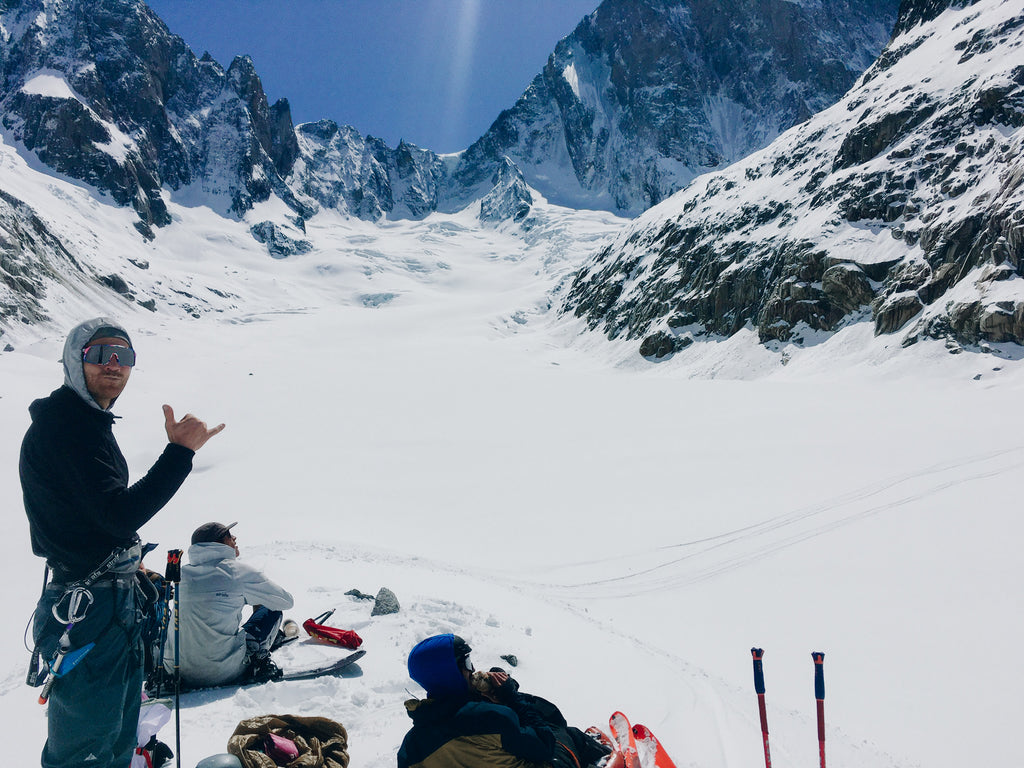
(173, 575)
(758, 654)
(819, 695)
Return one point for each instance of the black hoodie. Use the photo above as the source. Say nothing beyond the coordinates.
(75, 484)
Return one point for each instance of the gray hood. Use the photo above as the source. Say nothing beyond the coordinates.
(74, 374)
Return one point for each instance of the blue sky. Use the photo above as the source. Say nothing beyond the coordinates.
(433, 72)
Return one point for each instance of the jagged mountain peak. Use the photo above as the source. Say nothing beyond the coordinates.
(137, 108)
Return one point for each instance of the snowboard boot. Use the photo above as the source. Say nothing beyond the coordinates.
(263, 669)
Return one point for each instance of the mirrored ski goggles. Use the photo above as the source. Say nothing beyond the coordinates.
(102, 354)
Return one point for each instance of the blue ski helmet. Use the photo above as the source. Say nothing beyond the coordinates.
(434, 664)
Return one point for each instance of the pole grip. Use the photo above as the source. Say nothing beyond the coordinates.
(173, 571)
(758, 654)
(819, 694)
(819, 675)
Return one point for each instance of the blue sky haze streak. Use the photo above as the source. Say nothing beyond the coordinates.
(433, 72)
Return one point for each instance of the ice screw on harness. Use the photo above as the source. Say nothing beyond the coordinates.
(64, 660)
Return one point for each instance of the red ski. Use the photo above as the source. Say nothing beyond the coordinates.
(652, 754)
(622, 735)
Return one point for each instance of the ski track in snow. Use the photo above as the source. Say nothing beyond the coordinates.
(636, 576)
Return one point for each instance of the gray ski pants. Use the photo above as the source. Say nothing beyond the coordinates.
(94, 709)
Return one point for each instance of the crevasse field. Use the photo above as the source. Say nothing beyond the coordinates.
(403, 409)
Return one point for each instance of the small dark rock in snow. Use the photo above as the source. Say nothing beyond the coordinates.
(355, 592)
(511, 659)
(385, 603)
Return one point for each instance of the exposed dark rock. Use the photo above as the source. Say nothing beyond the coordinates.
(279, 244)
(31, 259)
(915, 12)
(874, 135)
(510, 199)
(896, 311)
(117, 283)
(846, 287)
(1002, 321)
(385, 603)
(359, 595)
(659, 345)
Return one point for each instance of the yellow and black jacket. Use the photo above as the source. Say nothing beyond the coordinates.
(458, 732)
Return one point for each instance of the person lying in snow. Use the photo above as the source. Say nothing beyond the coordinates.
(481, 719)
(214, 588)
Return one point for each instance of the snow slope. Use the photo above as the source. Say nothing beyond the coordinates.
(403, 411)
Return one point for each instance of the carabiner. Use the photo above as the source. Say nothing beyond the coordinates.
(76, 611)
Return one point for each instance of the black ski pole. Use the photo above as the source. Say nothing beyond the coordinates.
(758, 654)
(819, 695)
(173, 575)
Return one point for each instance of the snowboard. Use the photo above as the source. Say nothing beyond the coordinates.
(310, 673)
(652, 754)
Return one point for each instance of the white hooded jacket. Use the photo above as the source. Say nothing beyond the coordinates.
(214, 588)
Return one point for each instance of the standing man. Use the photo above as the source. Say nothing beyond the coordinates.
(215, 646)
(83, 518)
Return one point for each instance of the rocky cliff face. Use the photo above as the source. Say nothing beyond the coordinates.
(903, 205)
(102, 92)
(361, 176)
(31, 259)
(646, 94)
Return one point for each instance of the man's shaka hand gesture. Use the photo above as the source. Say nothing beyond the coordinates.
(190, 432)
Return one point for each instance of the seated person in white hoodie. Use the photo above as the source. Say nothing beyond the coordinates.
(215, 646)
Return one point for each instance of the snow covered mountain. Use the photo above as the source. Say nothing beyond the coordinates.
(646, 94)
(102, 92)
(642, 96)
(900, 205)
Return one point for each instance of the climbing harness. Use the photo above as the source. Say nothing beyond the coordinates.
(78, 601)
(71, 609)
